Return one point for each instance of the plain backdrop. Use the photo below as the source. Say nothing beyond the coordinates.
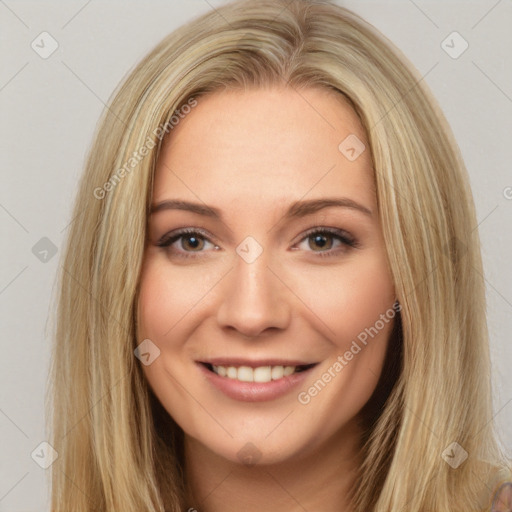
(50, 107)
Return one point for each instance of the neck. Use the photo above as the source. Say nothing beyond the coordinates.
(322, 480)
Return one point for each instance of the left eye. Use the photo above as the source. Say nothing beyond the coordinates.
(192, 241)
(319, 236)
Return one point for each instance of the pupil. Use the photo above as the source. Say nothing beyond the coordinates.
(194, 243)
(320, 240)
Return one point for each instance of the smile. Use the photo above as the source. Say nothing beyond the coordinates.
(251, 381)
(258, 374)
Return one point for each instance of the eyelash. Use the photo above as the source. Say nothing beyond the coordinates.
(349, 242)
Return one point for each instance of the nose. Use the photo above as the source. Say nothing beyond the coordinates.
(254, 299)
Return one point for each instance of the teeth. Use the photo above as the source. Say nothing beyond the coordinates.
(288, 370)
(245, 374)
(259, 374)
(277, 372)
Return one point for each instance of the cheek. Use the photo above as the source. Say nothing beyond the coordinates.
(168, 304)
(166, 297)
(348, 299)
(163, 303)
(356, 305)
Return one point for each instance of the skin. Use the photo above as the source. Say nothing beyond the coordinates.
(503, 499)
(251, 154)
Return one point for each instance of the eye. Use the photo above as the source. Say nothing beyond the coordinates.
(192, 238)
(323, 238)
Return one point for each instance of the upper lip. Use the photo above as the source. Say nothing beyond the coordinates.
(239, 361)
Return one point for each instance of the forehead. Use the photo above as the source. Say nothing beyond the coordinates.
(261, 147)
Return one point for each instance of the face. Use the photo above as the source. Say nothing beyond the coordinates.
(272, 311)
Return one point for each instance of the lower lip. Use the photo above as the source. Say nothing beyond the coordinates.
(255, 391)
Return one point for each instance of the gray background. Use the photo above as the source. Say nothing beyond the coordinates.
(49, 111)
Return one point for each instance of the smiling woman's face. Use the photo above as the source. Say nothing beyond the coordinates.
(257, 287)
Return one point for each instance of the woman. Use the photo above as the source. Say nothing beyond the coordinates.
(260, 372)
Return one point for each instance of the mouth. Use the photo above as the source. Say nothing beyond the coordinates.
(259, 374)
(255, 381)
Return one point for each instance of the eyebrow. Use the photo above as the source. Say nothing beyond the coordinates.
(296, 210)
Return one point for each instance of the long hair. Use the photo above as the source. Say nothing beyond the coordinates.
(118, 449)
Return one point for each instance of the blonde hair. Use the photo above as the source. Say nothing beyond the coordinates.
(118, 449)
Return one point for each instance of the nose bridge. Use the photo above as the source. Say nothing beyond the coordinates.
(254, 298)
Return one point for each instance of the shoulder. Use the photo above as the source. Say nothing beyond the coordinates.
(502, 491)
(495, 487)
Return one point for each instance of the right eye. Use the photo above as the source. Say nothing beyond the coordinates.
(191, 237)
